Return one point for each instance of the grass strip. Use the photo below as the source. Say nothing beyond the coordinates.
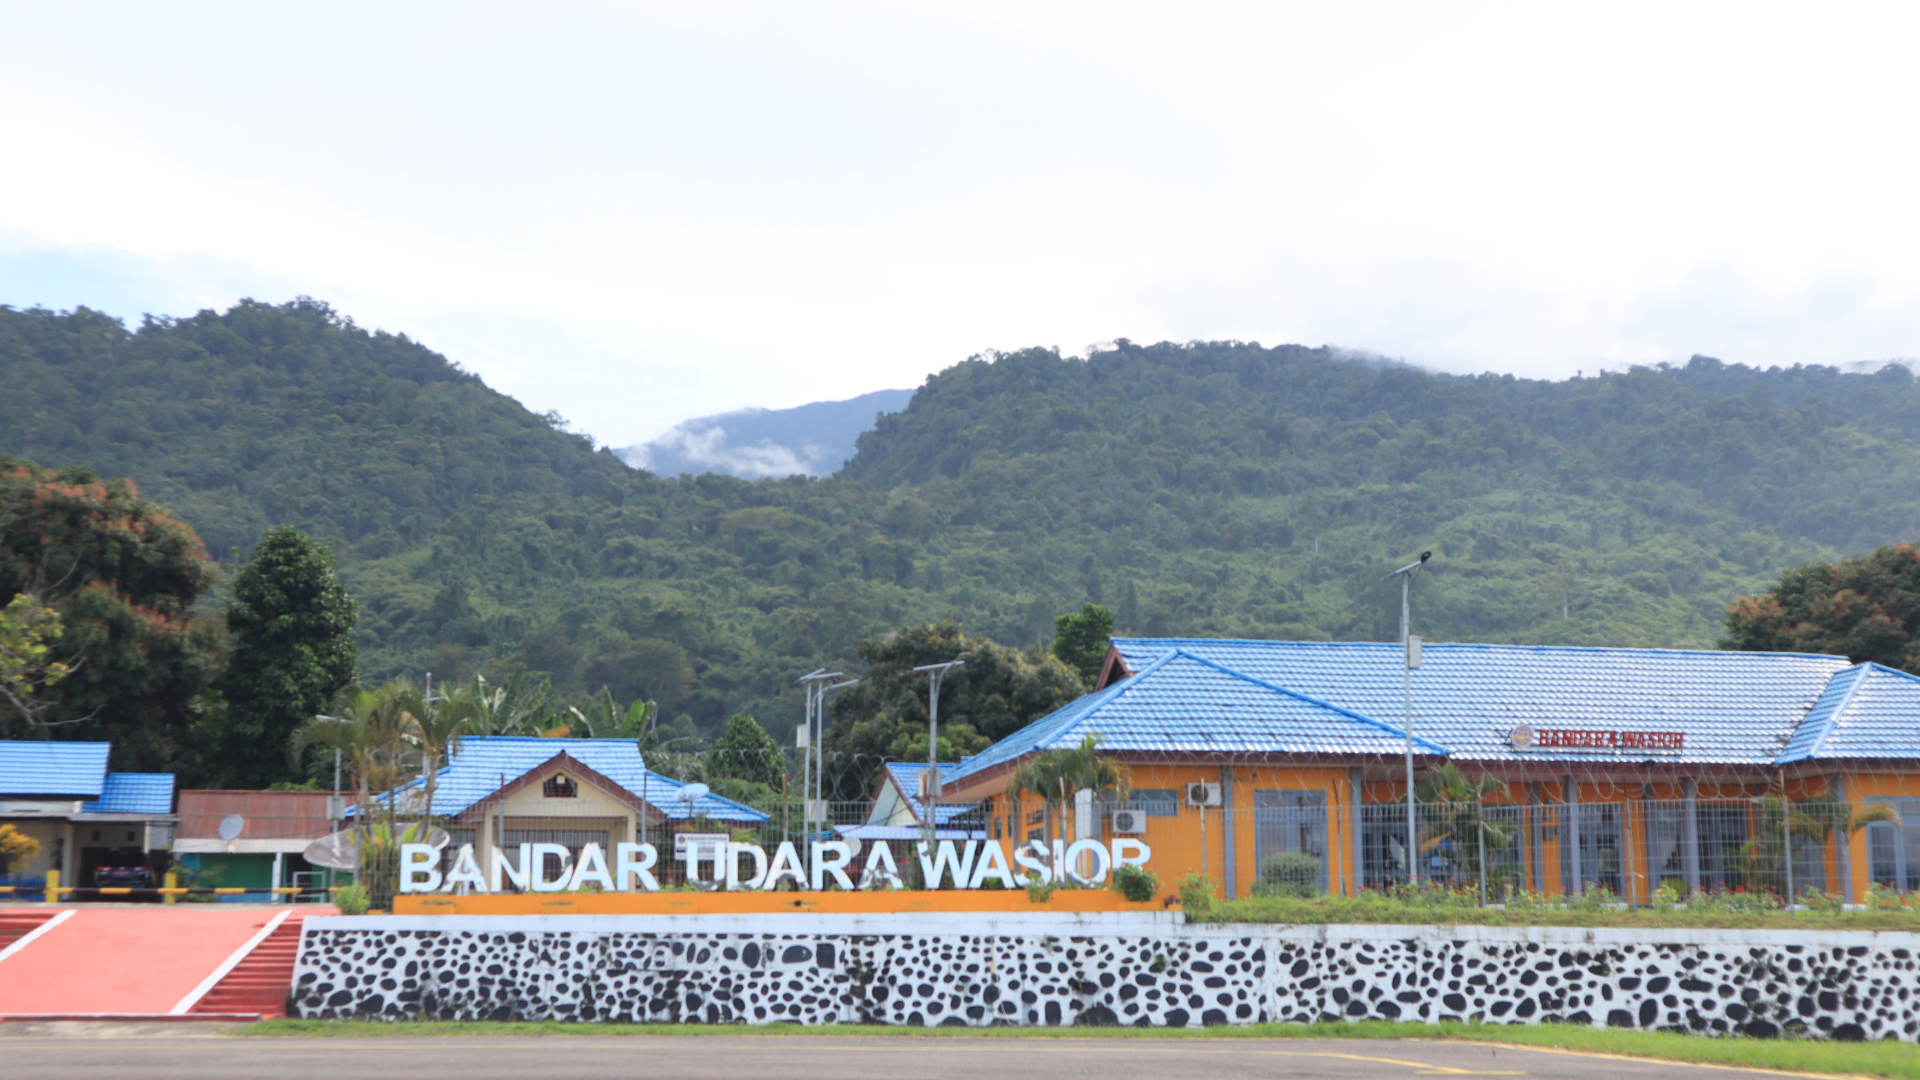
(1366, 909)
(1894, 1060)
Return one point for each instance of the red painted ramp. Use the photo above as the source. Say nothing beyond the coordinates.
(125, 960)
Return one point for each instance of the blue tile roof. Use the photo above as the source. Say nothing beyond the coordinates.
(1735, 707)
(33, 767)
(480, 763)
(1180, 702)
(134, 793)
(1868, 711)
(907, 776)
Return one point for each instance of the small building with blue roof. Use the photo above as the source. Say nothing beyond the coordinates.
(1622, 769)
(85, 818)
(508, 790)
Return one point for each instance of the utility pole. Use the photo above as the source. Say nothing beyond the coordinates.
(930, 780)
(819, 684)
(1411, 644)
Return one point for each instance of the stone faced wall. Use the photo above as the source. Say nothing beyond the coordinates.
(1142, 970)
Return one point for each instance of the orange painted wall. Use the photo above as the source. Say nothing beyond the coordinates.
(1177, 842)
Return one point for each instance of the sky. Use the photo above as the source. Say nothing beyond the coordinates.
(634, 214)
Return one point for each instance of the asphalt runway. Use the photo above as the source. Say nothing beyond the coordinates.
(118, 1055)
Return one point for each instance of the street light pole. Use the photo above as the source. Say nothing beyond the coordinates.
(1411, 644)
(930, 781)
(819, 684)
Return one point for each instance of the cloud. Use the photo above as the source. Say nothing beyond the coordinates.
(695, 451)
(633, 215)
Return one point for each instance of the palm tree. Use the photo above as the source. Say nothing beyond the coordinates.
(603, 718)
(522, 705)
(1057, 775)
(1452, 815)
(434, 728)
(1823, 815)
(369, 729)
(1816, 819)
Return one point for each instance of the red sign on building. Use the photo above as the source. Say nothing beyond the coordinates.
(1527, 738)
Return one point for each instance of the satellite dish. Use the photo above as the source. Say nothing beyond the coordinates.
(853, 847)
(341, 850)
(335, 851)
(693, 793)
(232, 826)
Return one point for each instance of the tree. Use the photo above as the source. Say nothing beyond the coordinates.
(27, 668)
(1080, 640)
(123, 576)
(746, 752)
(1453, 818)
(1058, 775)
(15, 847)
(291, 623)
(601, 717)
(996, 693)
(1865, 609)
(522, 705)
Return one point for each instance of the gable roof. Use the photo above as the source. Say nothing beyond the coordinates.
(73, 769)
(906, 777)
(482, 765)
(1867, 711)
(1184, 703)
(133, 793)
(1735, 707)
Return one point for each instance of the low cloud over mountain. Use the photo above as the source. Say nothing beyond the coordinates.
(813, 439)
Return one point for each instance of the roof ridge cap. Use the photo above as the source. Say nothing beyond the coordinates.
(1479, 645)
(1309, 699)
(1833, 718)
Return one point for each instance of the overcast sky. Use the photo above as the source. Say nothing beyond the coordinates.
(635, 214)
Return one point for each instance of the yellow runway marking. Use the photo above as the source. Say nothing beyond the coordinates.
(1762, 1069)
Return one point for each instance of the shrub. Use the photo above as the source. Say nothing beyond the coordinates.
(1196, 894)
(352, 900)
(1288, 873)
(1136, 883)
(1820, 900)
(1038, 893)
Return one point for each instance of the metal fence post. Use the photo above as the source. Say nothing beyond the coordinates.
(1786, 840)
(1480, 835)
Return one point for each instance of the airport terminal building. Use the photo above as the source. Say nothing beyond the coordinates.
(1571, 768)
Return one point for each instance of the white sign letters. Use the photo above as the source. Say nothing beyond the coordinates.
(716, 860)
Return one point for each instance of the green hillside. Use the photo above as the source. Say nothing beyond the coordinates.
(1203, 489)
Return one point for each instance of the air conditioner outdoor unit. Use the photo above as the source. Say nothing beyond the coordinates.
(1203, 794)
(1127, 822)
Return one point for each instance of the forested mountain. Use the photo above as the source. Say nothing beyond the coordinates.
(1203, 489)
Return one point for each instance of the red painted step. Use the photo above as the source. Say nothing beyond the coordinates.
(260, 983)
(16, 923)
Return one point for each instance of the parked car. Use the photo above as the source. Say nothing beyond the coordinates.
(122, 877)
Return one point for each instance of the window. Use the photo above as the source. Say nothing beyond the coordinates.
(1290, 822)
(560, 786)
(1600, 853)
(1723, 832)
(1894, 850)
(1154, 802)
(1383, 845)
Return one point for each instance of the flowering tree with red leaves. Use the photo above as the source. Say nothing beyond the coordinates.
(123, 575)
(1866, 609)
